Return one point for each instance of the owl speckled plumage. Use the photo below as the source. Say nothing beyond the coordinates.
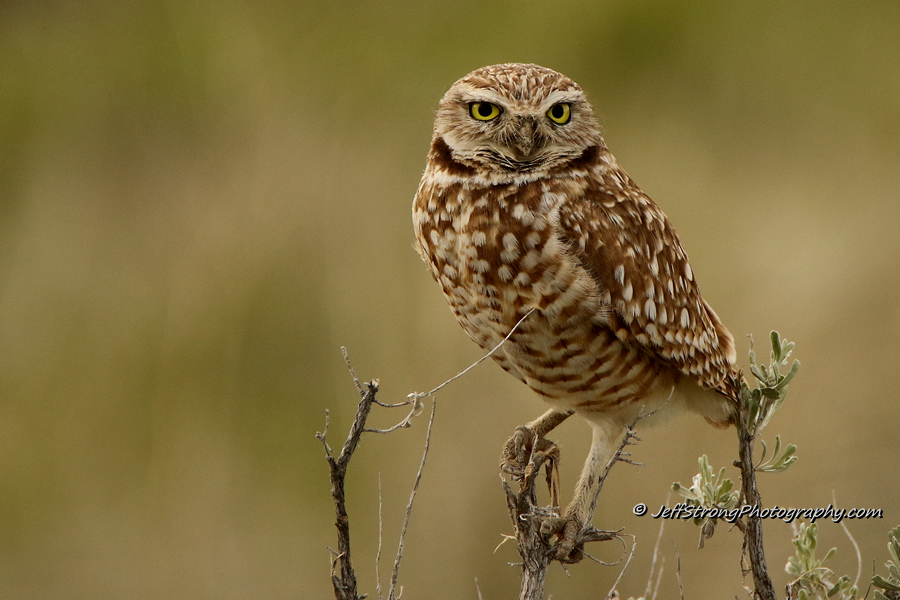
(522, 207)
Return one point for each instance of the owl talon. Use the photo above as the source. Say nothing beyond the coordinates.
(569, 548)
(553, 525)
(519, 449)
(515, 453)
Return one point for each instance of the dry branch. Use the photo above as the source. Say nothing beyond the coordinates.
(753, 538)
(343, 577)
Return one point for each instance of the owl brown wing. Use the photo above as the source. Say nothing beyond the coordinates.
(632, 251)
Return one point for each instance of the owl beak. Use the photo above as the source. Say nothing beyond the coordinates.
(524, 137)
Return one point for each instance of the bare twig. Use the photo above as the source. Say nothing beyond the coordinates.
(412, 497)
(678, 571)
(659, 575)
(321, 436)
(420, 395)
(662, 525)
(378, 552)
(407, 420)
(397, 405)
(352, 372)
(416, 397)
(855, 545)
(625, 568)
(597, 560)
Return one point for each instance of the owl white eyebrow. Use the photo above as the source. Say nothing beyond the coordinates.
(557, 97)
(485, 96)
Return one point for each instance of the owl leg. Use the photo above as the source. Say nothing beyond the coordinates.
(518, 448)
(548, 421)
(578, 511)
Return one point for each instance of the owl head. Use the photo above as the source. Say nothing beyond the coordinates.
(515, 119)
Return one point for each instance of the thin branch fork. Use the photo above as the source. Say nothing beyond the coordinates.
(343, 576)
(344, 580)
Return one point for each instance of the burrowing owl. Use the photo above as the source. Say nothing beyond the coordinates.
(523, 207)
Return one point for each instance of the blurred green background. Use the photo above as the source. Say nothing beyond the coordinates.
(201, 201)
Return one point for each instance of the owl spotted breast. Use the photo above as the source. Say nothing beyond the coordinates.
(523, 208)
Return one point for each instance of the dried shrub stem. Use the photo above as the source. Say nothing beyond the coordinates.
(343, 577)
(753, 537)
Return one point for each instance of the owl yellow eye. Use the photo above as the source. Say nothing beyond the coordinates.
(560, 113)
(484, 111)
